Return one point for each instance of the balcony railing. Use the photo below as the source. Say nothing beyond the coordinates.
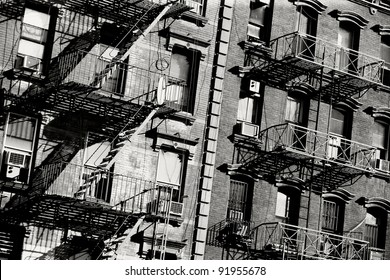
(323, 53)
(120, 79)
(109, 189)
(305, 142)
(304, 243)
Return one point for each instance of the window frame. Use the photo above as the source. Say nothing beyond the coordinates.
(333, 222)
(177, 188)
(260, 22)
(381, 216)
(190, 88)
(239, 201)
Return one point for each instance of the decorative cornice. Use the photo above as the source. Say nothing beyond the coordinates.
(342, 194)
(349, 103)
(186, 40)
(377, 202)
(301, 88)
(314, 4)
(292, 183)
(237, 170)
(384, 30)
(352, 17)
(380, 113)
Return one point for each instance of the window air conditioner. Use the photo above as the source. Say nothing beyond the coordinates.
(248, 129)
(382, 165)
(254, 86)
(176, 208)
(31, 63)
(16, 159)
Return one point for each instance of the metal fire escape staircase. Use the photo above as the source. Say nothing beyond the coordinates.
(127, 133)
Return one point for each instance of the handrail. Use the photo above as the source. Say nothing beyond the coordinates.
(112, 190)
(329, 55)
(306, 243)
(329, 147)
(127, 81)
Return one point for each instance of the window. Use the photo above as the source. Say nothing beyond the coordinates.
(19, 146)
(117, 80)
(196, 5)
(375, 228)
(294, 110)
(381, 140)
(296, 113)
(248, 109)
(36, 40)
(307, 27)
(184, 68)
(340, 123)
(287, 206)
(240, 204)
(259, 21)
(333, 216)
(170, 173)
(348, 40)
(385, 55)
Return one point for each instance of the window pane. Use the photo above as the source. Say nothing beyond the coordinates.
(257, 14)
(237, 197)
(385, 48)
(281, 205)
(379, 136)
(330, 216)
(30, 48)
(36, 18)
(169, 168)
(34, 33)
(180, 67)
(245, 109)
(337, 122)
(293, 110)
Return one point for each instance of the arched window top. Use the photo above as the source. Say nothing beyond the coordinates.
(349, 104)
(380, 113)
(301, 89)
(353, 17)
(290, 184)
(384, 30)
(313, 4)
(378, 202)
(341, 194)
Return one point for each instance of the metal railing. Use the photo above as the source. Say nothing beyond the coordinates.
(112, 190)
(316, 144)
(306, 243)
(324, 53)
(118, 78)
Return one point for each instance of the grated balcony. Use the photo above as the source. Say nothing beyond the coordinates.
(297, 56)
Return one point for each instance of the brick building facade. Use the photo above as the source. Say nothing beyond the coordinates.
(301, 170)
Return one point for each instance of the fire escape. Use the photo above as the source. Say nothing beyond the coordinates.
(82, 85)
(312, 160)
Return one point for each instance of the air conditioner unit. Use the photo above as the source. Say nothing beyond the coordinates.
(31, 63)
(175, 210)
(16, 159)
(382, 165)
(12, 172)
(254, 86)
(248, 129)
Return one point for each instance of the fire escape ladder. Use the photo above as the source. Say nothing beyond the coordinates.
(120, 142)
(114, 245)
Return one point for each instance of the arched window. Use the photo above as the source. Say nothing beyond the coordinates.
(288, 200)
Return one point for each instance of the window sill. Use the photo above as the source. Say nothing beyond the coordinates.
(194, 18)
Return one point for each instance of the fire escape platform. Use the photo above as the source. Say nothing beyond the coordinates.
(123, 12)
(297, 57)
